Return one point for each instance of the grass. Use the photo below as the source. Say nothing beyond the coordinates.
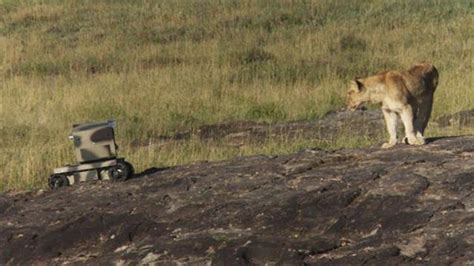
(160, 67)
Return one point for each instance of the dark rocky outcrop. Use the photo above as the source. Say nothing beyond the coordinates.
(367, 123)
(459, 119)
(362, 123)
(406, 205)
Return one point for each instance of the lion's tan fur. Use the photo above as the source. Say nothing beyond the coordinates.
(405, 94)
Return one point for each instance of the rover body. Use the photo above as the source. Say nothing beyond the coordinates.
(96, 153)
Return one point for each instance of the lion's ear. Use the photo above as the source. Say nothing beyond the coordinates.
(358, 84)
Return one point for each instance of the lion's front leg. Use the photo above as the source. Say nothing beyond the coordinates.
(391, 120)
(407, 117)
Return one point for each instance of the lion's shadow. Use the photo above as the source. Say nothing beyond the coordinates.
(435, 139)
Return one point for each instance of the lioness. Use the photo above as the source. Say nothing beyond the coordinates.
(408, 94)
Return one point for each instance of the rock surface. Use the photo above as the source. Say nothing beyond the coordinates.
(406, 205)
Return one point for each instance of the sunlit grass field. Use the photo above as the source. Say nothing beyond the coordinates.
(161, 67)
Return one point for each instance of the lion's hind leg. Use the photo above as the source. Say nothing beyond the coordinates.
(408, 119)
(423, 116)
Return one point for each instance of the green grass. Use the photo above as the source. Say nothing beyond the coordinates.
(160, 67)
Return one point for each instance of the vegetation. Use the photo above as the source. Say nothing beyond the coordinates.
(161, 67)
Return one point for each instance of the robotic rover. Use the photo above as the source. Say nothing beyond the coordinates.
(96, 153)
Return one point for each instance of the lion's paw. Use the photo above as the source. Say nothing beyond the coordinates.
(388, 145)
(405, 140)
(420, 141)
(416, 141)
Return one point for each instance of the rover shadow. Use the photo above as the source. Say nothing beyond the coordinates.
(150, 171)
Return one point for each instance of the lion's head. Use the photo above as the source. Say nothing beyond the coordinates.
(356, 95)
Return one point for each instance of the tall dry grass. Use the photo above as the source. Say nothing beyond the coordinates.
(160, 67)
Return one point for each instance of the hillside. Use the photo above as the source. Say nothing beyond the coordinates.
(407, 205)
